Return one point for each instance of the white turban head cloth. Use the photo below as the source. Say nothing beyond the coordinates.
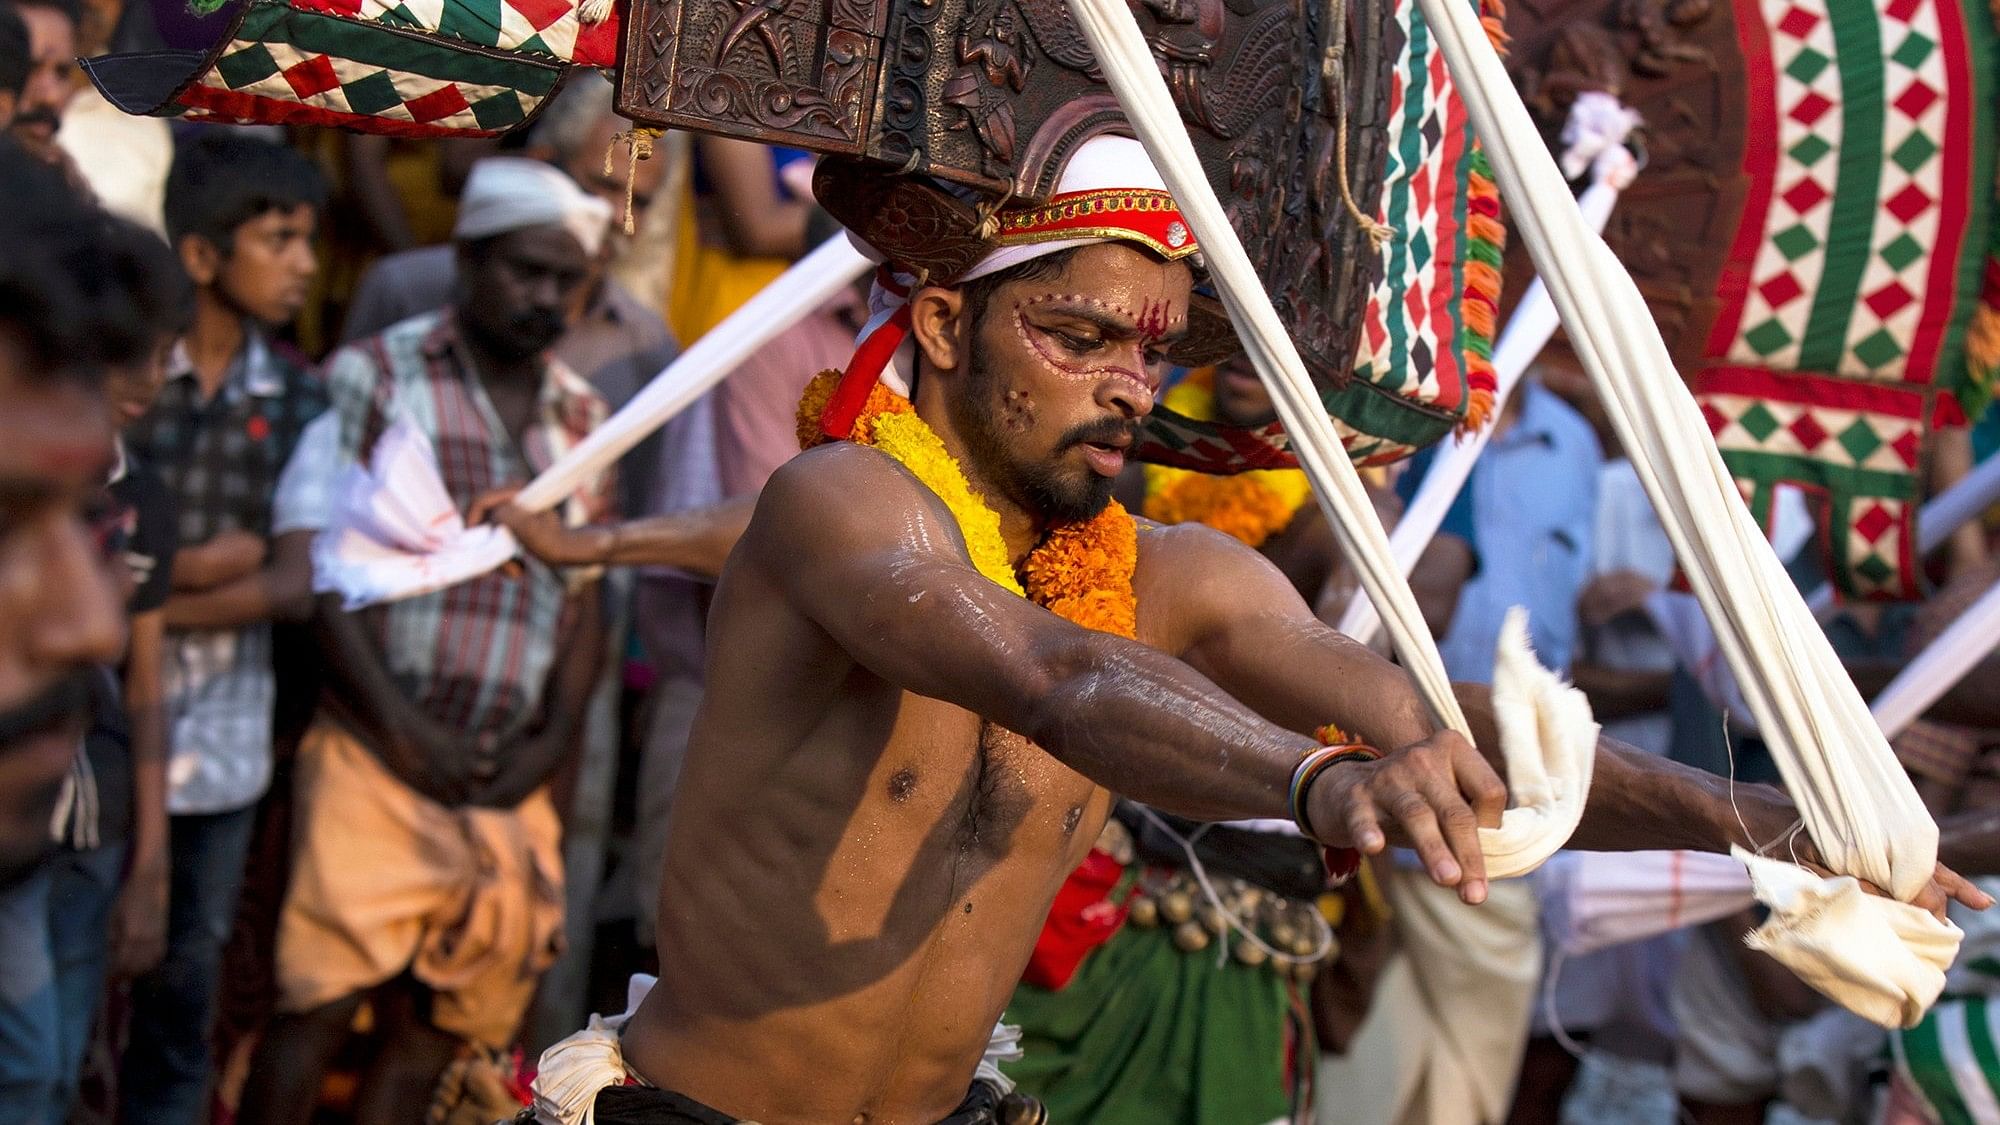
(509, 193)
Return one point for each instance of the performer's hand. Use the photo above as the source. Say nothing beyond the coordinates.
(1772, 822)
(1433, 796)
(487, 503)
(542, 534)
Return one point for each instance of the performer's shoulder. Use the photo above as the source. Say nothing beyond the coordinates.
(839, 485)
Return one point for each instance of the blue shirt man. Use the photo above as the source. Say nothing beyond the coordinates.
(1527, 512)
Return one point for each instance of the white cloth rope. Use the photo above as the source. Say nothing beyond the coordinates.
(1547, 736)
(1856, 800)
(808, 284)
(1533, 323)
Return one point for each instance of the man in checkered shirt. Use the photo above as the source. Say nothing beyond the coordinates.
(242, 215)
(427, 871)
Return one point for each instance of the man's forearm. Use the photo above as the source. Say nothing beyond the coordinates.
(364, 696)
(244, 601)
(695, 541)
(1642, 802)
(1148, 727)
(280, 591)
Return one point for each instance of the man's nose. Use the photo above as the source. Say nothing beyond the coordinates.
(305, 260)
(1129, 396)
(78, 619)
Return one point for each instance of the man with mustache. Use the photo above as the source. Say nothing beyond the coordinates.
(69, 312)
(427, 875)
(51, 74)
(937, 651)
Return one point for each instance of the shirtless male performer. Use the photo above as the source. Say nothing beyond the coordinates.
(899, 760)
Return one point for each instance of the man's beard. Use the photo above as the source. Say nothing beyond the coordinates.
(1047, 488)
(524, 336)
(38, 115)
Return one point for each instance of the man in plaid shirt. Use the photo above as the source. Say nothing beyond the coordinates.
(427, 873)
(242, 215)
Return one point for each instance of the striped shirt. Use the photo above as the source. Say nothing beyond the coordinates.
(476, 656)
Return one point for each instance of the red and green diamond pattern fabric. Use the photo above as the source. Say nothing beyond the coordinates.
(1846, 299)
(282, 64)
(551, 28)
(1852, 447)
(1424, 366)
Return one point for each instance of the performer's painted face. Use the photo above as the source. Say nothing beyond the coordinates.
(1062, 369)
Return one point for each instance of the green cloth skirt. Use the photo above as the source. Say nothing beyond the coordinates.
(1148, 1035)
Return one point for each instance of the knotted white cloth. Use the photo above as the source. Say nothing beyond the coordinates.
(1881, 959)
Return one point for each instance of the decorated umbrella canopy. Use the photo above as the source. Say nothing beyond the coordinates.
(1813, 230)
(989, 95)
(414, 68)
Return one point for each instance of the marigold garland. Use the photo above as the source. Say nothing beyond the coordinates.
(1249, 507)
(1081, 572)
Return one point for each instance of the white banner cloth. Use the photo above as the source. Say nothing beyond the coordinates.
(1595, 900)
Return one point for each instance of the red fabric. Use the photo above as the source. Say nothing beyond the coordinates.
(1083, 918)
(1760, 169)
(1341, 863)
(236, 107)
(850, 397)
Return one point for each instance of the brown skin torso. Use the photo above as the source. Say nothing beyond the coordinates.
(889, 860)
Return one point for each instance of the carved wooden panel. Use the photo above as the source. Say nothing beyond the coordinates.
(798, 70)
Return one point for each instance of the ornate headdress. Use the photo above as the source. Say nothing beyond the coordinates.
(1108, 192)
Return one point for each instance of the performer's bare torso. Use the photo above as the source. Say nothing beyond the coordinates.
(855, 877)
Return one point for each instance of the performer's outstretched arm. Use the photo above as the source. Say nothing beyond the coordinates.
(890, 582)
(1247, 630)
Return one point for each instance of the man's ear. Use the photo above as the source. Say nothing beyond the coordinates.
(940, 327)
(200, 258)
